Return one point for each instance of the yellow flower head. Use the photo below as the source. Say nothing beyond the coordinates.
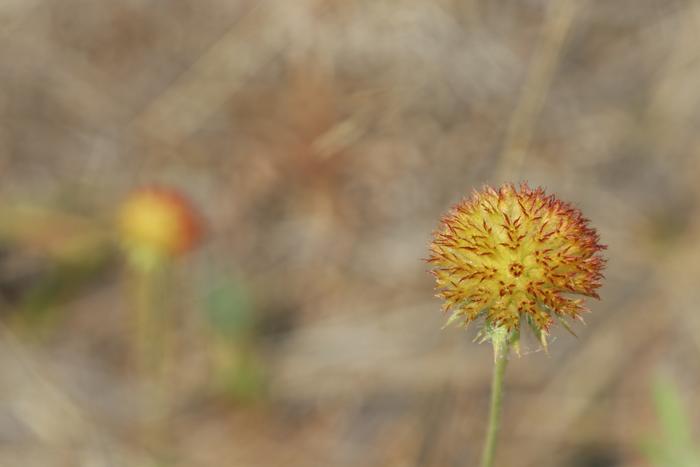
(512, 255)
(156, 223)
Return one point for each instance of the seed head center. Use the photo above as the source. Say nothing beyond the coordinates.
(516, 269)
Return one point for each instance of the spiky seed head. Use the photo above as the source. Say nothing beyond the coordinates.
(514, 255)
(156, 223)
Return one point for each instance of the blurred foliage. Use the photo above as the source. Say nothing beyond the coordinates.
(238, 371)
(50, 257)
(60, 283)
(229, 309)
(674, 445)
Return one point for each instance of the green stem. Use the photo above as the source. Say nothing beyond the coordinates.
(152, 351)
(501, 347)
(144, 321)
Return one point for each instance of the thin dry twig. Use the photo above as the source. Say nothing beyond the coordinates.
(560, 16)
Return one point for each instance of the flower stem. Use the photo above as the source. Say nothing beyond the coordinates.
(153, 353)
(144, 321)
(501, 347)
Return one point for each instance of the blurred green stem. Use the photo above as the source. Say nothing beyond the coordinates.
(144, 321)
(153, 350)
(152, 328)
(501, 348)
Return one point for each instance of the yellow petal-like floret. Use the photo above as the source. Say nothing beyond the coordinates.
(512, 255)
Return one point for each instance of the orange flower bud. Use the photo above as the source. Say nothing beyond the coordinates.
(158, 222)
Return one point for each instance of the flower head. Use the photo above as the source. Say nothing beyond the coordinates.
(157, 223)
(515, 255)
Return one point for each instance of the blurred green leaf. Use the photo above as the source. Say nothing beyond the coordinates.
(229, 309)
(675, 426)
(673, 446)
(245, 381)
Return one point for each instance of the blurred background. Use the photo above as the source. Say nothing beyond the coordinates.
(320, 141)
